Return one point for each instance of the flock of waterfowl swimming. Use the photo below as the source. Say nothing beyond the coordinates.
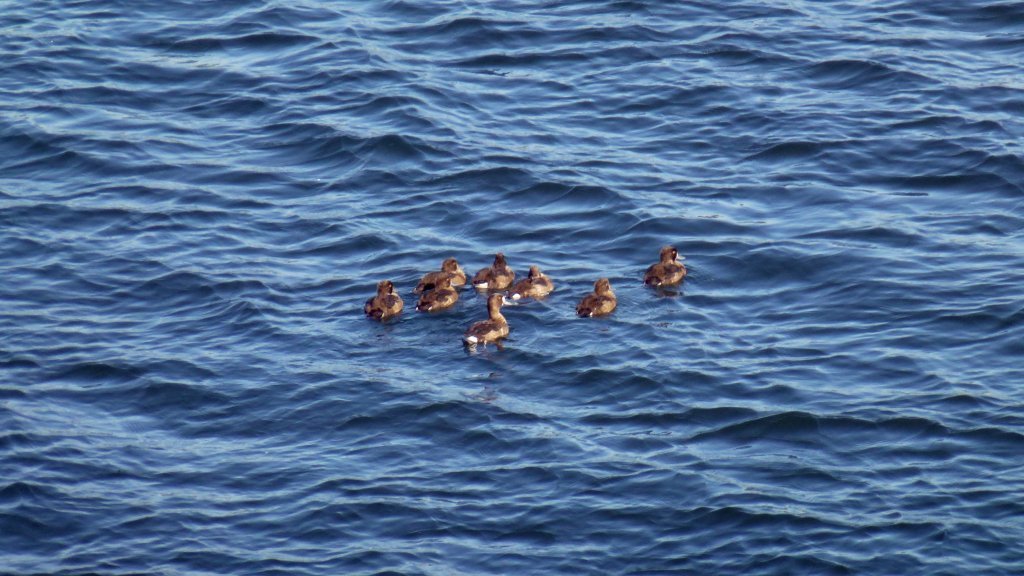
(438, 292)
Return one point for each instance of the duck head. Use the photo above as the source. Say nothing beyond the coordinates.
(450, 265)
(385, 287)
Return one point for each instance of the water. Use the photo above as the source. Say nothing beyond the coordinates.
(197, 198)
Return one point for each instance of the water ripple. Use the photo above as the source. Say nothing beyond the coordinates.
(196, 200)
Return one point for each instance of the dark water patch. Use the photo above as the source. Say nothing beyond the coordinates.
(171, 289)
(505, 178)
(16, 362)
(870, 236)
(984, 17)
(102, 96)
(67, 161)
(395, 148)
(526, 60)
(165, 399)
(655, 231)
(788, 151)
(864, 75)
(472, 33)
(360, 243)
(21, 493)
(244, 317)
(658, 421)
(230, 107)
(302, 145)
(974, 183)
(948, 124)
(1008, 166)
(37, 526)
(552, 197)
(83, 219)
(11, 393)
(15, 440)
(704, 97)
(803, 427)
(256, 42)
(99, 372)
(18, 144)
(730, 54)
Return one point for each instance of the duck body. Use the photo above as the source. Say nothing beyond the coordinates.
(536, 285)
(496, 277)
(492, 329)
(599, 303)
(450, 267)
(441, 297)
(386, 304)
(668, 271)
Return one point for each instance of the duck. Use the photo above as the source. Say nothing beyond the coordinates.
(441, 297)
(386, 304)
(602, 301)
(666, 272)
(450, 267)
(492, 329)
(536, 285)
(497, 277)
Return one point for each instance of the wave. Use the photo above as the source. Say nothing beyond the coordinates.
(249, 42)
(196, 200)
(850, 74)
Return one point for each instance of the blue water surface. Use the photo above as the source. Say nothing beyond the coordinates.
(196, 199)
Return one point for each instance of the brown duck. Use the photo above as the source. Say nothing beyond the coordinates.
(441, 297)
(497, 277)
(386, 304)
(492, 329)
(450, 267)
(536, 285)
(601, 302)
(667, 272)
